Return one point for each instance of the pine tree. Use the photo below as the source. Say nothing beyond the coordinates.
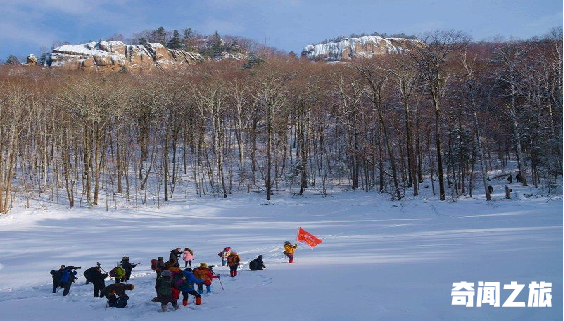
(174, 42)
(12, 60)
(216, 44)
(159, 35)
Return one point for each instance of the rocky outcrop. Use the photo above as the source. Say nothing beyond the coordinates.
(31, 60)
(363, 47)
(115, 55)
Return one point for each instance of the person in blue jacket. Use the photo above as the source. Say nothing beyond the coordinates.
(186, 285)
(67, 278)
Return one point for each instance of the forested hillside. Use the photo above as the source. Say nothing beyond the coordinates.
(444, 112)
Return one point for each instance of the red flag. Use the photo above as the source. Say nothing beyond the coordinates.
(308, 238)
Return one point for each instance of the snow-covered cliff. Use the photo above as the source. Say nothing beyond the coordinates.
(115, 55)
(348, 48)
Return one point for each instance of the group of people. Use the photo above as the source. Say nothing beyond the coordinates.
(170, 281)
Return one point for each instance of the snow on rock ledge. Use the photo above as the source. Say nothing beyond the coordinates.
(115, 55)
(349, 48)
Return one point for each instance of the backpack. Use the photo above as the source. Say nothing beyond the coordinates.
(165, 288)
(118, 272)
(232, 259)
(88, 273)
(154, 264)
(253, 265)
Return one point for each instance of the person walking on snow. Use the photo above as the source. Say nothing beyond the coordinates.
(188, 256)
(233, 261)
(223, 255)
(164, 288)
(97, 278)
(186, 285)
(203, 272)
(289, 250)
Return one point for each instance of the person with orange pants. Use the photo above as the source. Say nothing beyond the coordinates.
(289, 250)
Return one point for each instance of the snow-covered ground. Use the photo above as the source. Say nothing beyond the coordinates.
(379, 260)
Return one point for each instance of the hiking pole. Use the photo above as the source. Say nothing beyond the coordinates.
(219, 279)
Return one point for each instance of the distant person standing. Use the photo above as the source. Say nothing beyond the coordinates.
(510, 179)
(127, 267)
(175, 255)
(289, 250)
(223, 255)
(188, 257)
(518, 177)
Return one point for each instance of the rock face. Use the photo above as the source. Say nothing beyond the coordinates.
(31, 60)
(115, 55)
(363, 47)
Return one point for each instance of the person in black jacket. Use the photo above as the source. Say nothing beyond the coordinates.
(57, 275)
(97, 278)
(175, 255)
(128, 267)
(257, 264)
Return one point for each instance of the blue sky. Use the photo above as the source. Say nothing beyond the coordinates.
(26, 26)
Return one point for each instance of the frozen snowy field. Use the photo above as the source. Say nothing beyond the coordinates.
(380, 260)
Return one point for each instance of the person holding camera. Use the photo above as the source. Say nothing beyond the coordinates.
(68, 275)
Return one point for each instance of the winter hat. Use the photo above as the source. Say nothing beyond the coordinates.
(166, 273)
(203, 265)
(186, 249)
(260, 257)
